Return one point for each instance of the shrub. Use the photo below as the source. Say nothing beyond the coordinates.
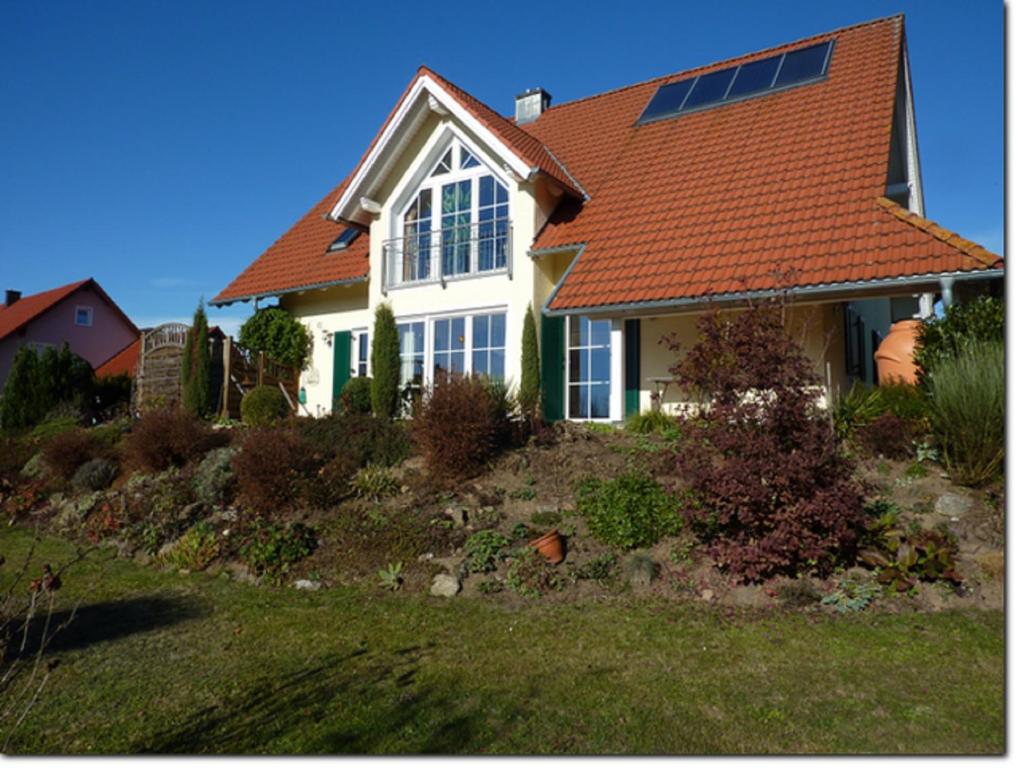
(385, 364)
(851, 595)
(628, 511)
(110, 396)
(196, 367)
(653, 422)
(195, 550)
(356, 396)
(967, 398)
(484, 549)
(600, 569)
(366, 439)
(902, 557)
(887, 435)
(38, 383)
(459, 427)
(214, 479)
(530, 366)
(375, 482)
(529, 574)
(51, 427)
(169, 438)
(770, 491)
(159, 507)
(262, 406)
(640, 569)
(70, 450)
(274, 468)
(947, 337)
(94, 475)
(798, 593)
(391, 577)
(278, 334)
(271, 550)
(20, 406)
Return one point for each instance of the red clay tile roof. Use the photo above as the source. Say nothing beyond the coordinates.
(731, 199)
(125, 361)
(301, 259)
(29, 307)
(744, 197)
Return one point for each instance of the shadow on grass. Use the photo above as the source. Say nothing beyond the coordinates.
(356, 703)
(106, 621)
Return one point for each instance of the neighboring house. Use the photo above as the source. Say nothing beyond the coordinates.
(80, 314)
(123, 362)
(624, 216)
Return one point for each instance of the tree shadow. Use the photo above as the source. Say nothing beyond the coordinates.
(354, 703)
(103, 622)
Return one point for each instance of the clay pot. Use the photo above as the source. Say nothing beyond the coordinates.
(550, 546)
(894, 355)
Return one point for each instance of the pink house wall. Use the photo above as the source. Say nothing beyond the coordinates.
(97, 343)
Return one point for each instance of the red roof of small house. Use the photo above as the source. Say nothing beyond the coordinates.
(27, 308)
(125, 361)
(779, 191)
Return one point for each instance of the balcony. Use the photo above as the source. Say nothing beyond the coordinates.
(437, 256)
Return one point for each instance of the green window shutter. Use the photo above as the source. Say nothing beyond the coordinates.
(340, 363)
(553, 363)
(632, 330)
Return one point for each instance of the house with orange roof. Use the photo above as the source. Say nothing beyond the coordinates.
(80, 314)
(621, 218)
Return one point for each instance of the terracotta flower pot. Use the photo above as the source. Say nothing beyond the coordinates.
(894, 355)
(550, 546)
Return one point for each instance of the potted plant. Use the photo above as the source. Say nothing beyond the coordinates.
(550, 546)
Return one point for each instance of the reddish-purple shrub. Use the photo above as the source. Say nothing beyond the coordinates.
(274, 468)
(888, 435)
(459, 426)
(67, 451)
(769, 489)
(169, 438)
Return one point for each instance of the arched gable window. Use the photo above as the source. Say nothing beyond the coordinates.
(457, 222)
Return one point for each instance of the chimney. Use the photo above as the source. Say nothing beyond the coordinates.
(530, 104)
(11, 296)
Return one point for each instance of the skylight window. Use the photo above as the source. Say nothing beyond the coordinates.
(346, 237)
(757, 78)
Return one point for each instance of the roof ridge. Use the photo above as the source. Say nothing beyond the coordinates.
(612, 91)
(960, 243)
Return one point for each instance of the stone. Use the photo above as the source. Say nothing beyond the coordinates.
(952, 505)
(458, 515)
(444, 585)
(707, 595)
(546, 509)
(307, 584)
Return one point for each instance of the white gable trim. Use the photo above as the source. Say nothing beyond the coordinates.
(396, 134)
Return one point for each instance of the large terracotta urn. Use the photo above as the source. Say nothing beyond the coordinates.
(894, 355)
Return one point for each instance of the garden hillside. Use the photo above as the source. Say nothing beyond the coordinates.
(846, 560)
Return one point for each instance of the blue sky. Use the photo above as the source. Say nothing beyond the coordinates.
(160, 147)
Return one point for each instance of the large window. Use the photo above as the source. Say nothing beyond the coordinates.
(361, 347)
(589, 368)
(469, 231)
(489, 346)
(450, 346)
(411, 355)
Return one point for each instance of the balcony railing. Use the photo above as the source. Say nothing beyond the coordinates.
(435, 256)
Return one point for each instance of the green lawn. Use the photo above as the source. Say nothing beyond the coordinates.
(160, 662)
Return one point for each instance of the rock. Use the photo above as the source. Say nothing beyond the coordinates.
(444, 585)
(546, 509)
(707, 595)
(35, 466)
(307, 584)
(747, 596)
(425, 557)
(458, 515)
(952, 505)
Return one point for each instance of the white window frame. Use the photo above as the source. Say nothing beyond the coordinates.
(355, 362)
(614, 352)
(87, 309)
(489, 348)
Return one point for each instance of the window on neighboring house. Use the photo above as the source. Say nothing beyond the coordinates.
(411, 355)
(449, 346)
(488, 346)
(469, 231)
(83, 316)
(589, 368)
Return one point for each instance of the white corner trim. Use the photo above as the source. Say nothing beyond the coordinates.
(915, 178)
(442, 99)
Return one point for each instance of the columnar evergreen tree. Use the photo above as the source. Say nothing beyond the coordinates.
(385, 363)
(530, 367)
(196, 366)
(21, 406)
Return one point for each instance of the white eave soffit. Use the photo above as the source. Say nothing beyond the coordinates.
(425, 96)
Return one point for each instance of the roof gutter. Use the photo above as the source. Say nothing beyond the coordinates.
(927, 280)
(297, 289)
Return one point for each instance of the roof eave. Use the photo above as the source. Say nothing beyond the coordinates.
(225, 302)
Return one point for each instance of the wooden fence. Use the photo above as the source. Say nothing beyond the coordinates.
(244, 369)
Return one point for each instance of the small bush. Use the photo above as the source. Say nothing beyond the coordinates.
(529, 574)
(898, 404)
(967, 397)
(70, 450)
(263, 406)
(374, 482)
(391, 577)
(356, 396)
(601, 569)
(271, 550)
(169, 438)
(51, 427)
(94, 475)
(629, 511)
(195, 550)
(364, 438)
(889, 436)
(798, 593)
(902, 557)
(213, 479)
(640, 569)
(484, 549)
(459, 427)
(947, 337)
(653, 422)
(851, 595)
(273, 469)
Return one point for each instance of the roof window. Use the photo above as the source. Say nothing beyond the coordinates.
(346, 237)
